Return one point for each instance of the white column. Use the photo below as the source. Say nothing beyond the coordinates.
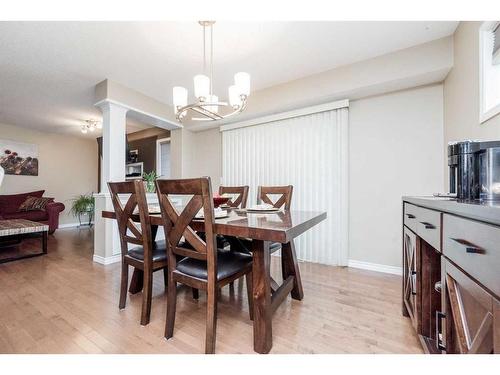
(106, 239)
(113, 143)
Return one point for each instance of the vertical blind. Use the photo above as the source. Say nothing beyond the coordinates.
(306, 152)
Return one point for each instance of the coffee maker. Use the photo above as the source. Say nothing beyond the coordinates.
(475, 170)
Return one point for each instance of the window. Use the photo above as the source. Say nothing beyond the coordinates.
(489, 65)
(163, 157)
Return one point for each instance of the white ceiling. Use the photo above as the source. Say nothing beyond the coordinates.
(48, 70)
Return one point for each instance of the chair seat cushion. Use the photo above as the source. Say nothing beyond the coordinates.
(228, 263)
(159, 252)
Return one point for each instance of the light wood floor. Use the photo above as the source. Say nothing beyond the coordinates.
(65, 303)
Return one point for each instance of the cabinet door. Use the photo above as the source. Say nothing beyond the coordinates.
(469, 311)
(410, 276)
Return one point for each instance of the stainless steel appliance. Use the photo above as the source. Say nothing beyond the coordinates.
(475, 170)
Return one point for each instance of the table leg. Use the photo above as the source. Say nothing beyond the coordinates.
(290, 267)
(137, 281)
(45, 236)
(262, 315)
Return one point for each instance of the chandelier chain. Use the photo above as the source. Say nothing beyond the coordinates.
(211, 58)
(204, 52)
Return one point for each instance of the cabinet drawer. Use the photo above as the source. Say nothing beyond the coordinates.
(410, 216)
(429, 227)
(474, 247)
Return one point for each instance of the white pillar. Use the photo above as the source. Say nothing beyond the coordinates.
(113, 143)
(106, 239)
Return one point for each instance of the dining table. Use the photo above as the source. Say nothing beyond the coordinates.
(262, 229)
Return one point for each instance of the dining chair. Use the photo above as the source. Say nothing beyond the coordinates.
(240, 192)
(283, 196)
(203, 266)
(278, 197)
(148, 255)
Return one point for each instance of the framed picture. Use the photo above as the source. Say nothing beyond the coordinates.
(19, 158)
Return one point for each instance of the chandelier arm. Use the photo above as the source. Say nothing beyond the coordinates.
(207, 113)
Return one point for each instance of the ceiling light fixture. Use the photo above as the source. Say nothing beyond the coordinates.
(90, 125)
(208, 104)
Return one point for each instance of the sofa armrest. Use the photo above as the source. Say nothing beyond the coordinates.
(53, 210)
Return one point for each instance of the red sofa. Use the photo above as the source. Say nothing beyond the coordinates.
(9, 209)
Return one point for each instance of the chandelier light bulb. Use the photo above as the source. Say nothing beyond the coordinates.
(234, 96)
(84, 129)
(180, 95)
(201, 86)
(242, 82)
(98, 124)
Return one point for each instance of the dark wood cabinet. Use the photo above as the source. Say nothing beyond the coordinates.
(451, 281)
(410, 278)
(469, 312)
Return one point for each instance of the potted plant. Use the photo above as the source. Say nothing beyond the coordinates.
(83, 205)
(149, 181)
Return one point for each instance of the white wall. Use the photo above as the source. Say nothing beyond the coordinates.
(395, 149)
(67, 166)
(411, 67)
(197, 154)
(461, 91)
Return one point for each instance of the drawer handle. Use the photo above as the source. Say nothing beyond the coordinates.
(470, 247)
(413, 282)
(410, 216)
(437, 286)
(439, 342)
(428, 225)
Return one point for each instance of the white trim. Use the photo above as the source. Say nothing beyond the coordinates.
(72, 225)
(107, 260)
(158, 154)
(129, 108)
(484, 116)
(285, 115)
(375, 267)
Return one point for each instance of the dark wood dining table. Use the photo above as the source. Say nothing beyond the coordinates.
(262, 229)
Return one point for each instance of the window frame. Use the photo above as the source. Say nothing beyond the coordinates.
(485, 115)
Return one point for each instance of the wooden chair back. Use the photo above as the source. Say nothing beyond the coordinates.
(177, 224)
(129, 231)
(284, 193)
(241, 193)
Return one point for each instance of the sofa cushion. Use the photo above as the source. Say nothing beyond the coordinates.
(10, 203)
(37, 215)
(35, 203)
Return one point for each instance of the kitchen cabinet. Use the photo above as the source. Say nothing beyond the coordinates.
(451, 278)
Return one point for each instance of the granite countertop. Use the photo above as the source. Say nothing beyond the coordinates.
(488, 212)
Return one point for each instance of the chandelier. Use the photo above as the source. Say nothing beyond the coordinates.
(90, 125)
(207, 104)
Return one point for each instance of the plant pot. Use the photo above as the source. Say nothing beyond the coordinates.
(149, 186)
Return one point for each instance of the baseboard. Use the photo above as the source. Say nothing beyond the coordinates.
(72, 225)
(375, 267)
(107, 260)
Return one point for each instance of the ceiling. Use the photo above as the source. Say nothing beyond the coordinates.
(48, 70)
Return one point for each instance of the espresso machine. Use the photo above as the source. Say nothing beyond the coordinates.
(475, 170)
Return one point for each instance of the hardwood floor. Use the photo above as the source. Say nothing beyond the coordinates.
(65, 303)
